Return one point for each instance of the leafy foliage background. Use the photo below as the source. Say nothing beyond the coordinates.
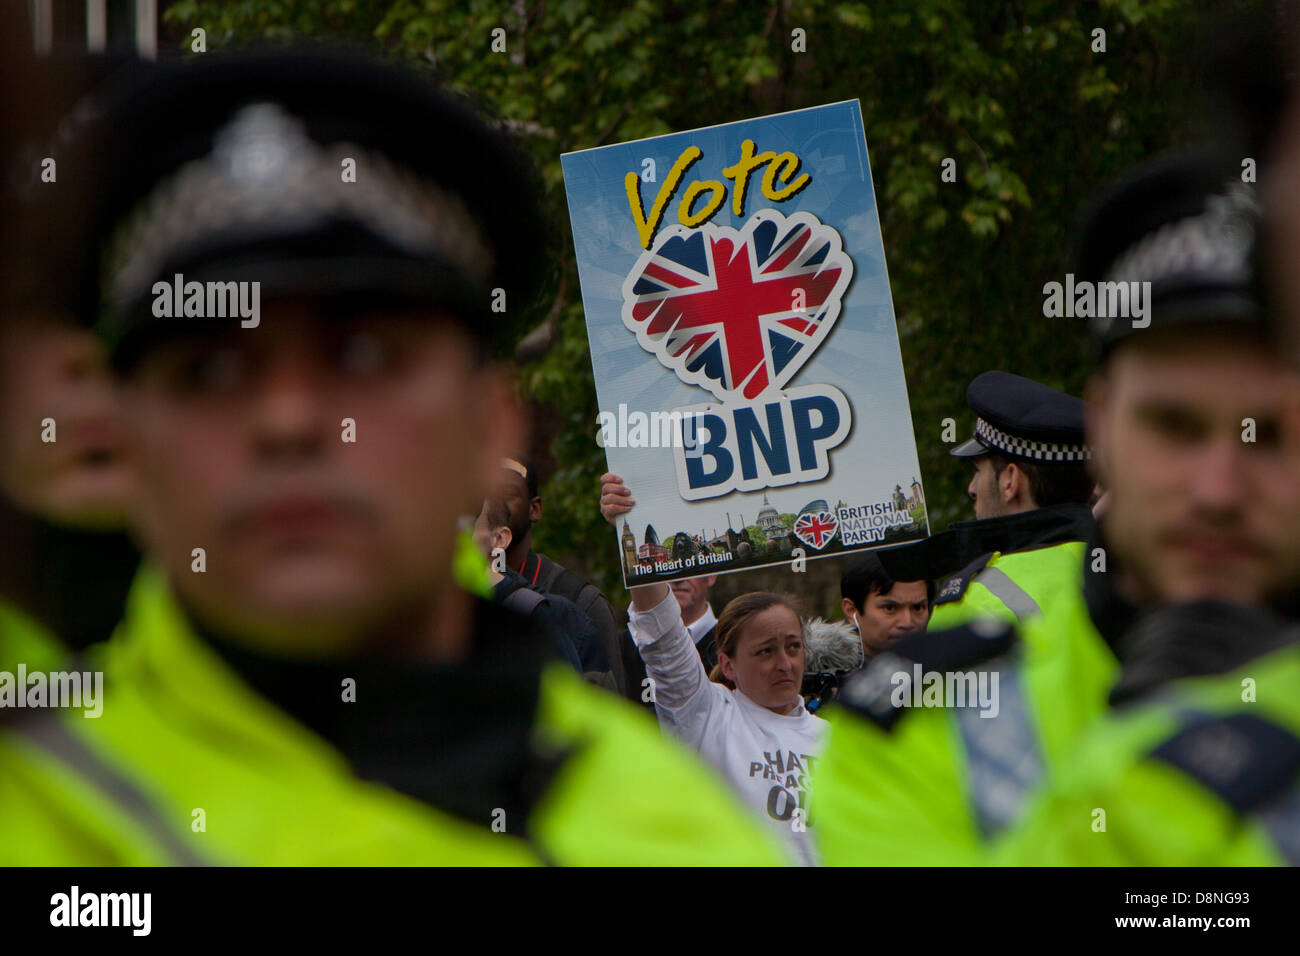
(1010, 89)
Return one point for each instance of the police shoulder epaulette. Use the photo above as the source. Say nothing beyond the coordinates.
(1244, 759)
(954, 589)
(870, 692)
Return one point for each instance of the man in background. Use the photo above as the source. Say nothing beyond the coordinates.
(879, 608)
(568, 628)
(1185, 413)
(524, 507)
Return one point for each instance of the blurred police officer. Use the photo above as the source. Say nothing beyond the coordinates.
(1203, 771)
(1202, 507)
(65, 482)
(301, 676)
(1030, 490)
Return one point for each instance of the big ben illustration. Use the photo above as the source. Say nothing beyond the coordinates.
(629, 550)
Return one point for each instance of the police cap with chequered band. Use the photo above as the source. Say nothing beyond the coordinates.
(1021, 418)
(315, 173)
(1186, 223)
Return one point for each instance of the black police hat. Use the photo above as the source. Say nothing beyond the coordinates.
(1022, 418)
(231, 168)
(1186, 223)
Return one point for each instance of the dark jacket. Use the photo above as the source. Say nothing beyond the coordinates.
(459, 737)
(948, 552)
(566, 627)
(539, 571)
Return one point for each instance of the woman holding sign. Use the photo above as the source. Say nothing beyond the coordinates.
(746, 718)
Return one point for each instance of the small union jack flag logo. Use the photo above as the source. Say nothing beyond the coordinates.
(816, 529)
(738, 312)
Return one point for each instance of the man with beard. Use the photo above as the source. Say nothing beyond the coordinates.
(1202, 771)
(1184, 421)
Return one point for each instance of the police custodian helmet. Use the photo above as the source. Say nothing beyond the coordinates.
(1186, 223)
(235, 167)
(1021, 418)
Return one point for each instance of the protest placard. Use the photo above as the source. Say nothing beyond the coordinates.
(744, 345)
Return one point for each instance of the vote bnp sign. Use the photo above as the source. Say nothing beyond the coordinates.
(744, 345)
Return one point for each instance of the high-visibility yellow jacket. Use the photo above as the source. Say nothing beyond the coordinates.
(1011, 567)
(188, 764)
(901, 784)
(1009, 587)
(1207, 773)
(24, 641)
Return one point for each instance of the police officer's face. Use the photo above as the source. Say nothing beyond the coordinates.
(322, 465)
(900, 611)
(767, 666)
(1204, 499)
(983, 489)
(60, 426)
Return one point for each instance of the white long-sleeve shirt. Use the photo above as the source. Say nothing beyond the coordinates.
(764, 755)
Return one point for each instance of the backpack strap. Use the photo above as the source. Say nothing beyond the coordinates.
(569, 585)
(524, 601)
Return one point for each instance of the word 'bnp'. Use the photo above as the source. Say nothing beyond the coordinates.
(782, 169)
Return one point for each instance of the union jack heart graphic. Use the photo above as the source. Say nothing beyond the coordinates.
(738, 312)
(816, 529)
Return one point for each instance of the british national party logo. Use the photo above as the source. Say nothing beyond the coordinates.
(737, 312)
(816, 525)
